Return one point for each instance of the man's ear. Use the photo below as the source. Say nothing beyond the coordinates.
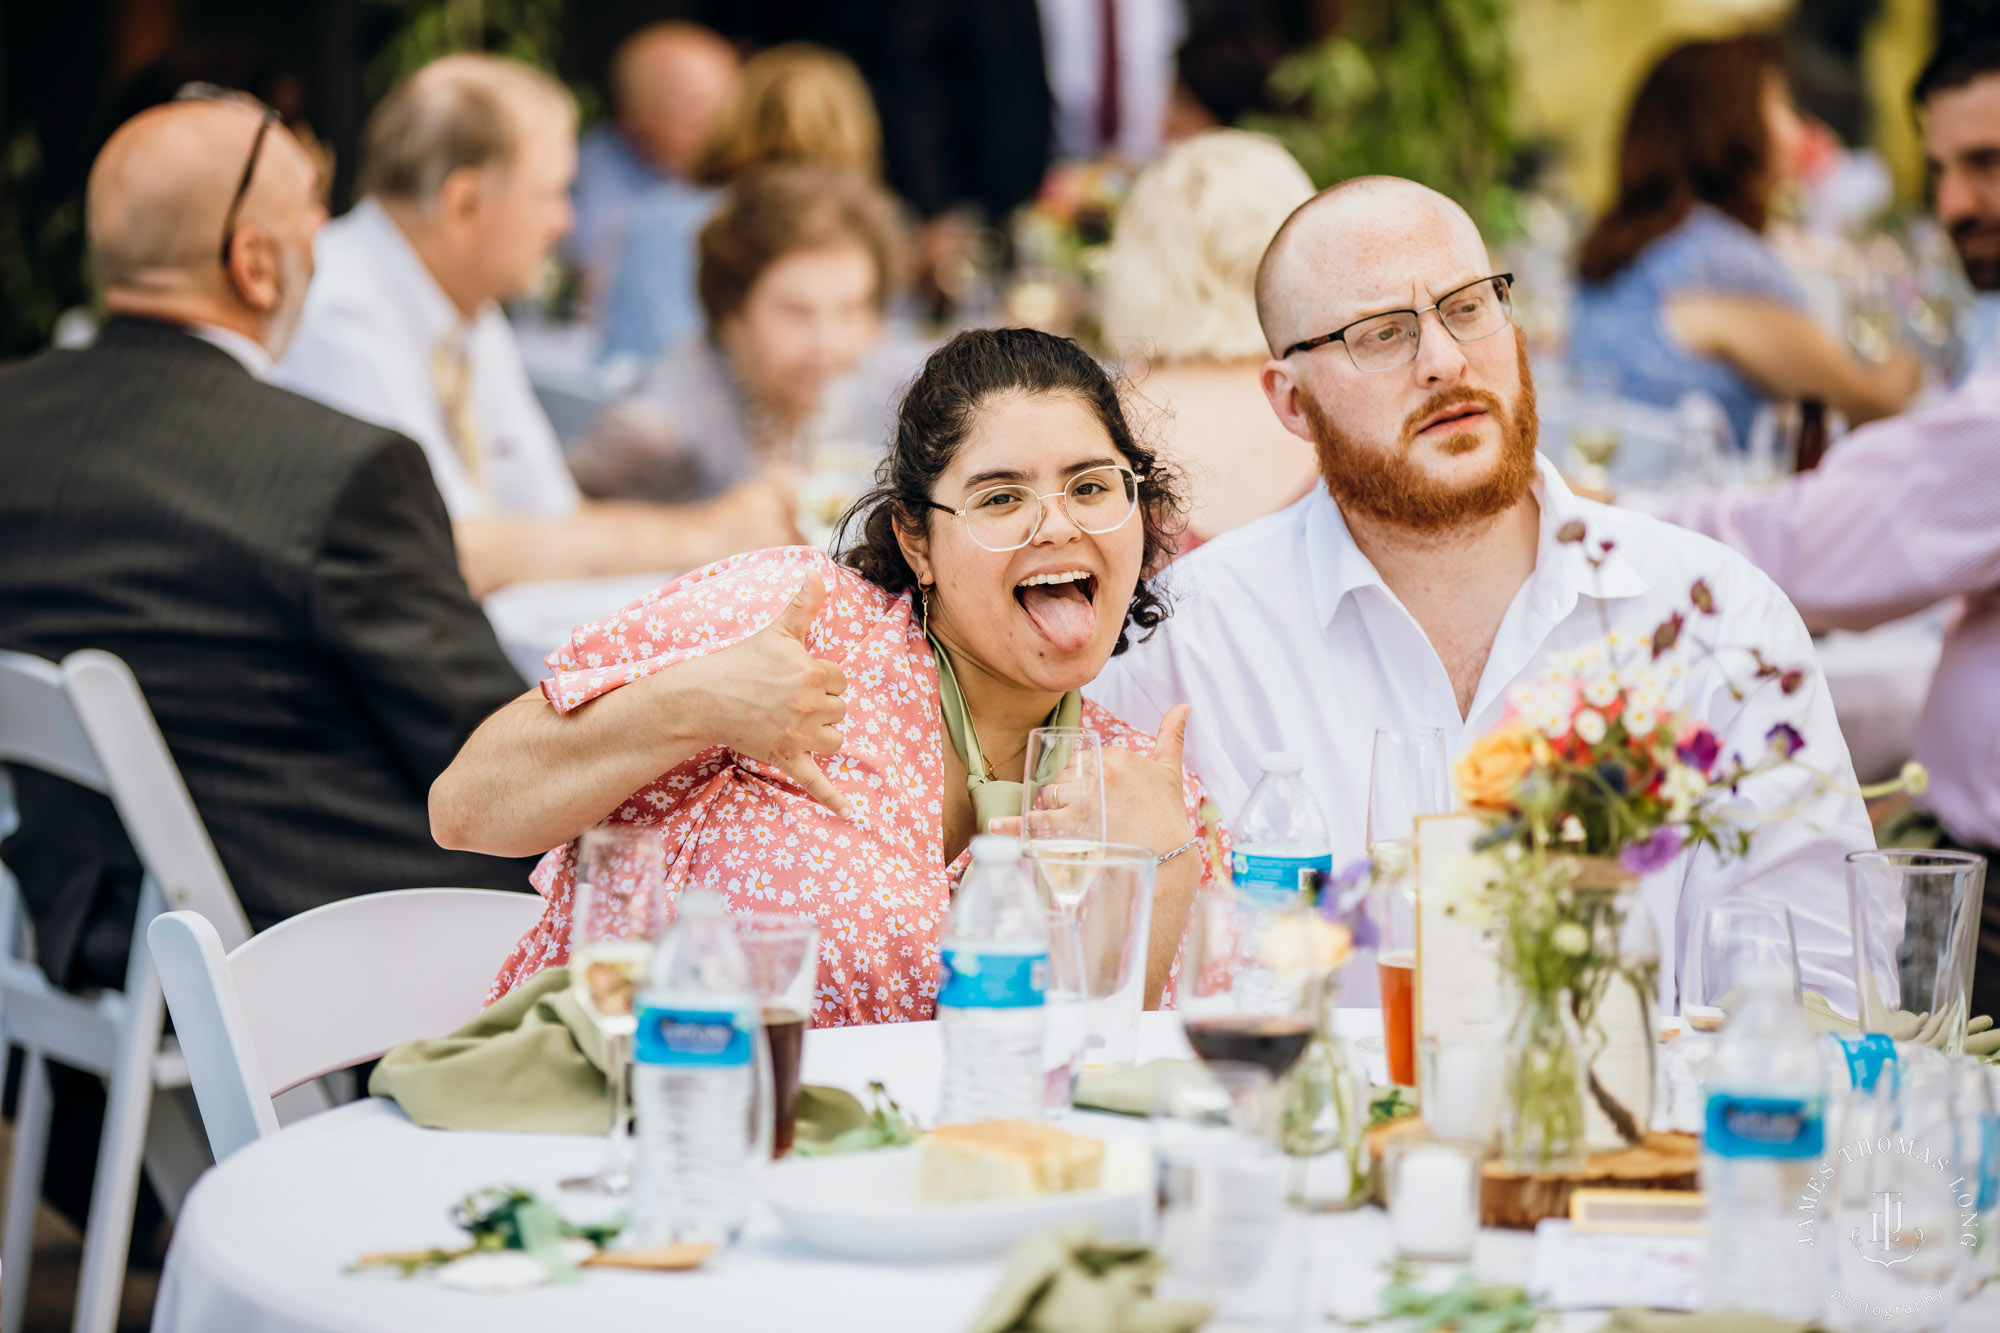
(458, 199)
(256, 268)
(1282, 391)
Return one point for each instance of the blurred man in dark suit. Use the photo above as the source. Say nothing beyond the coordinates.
(279, 577)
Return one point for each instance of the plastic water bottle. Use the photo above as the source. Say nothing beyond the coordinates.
(1764, 1137)
(992, 995)
(699, 1067)
(1280, 833)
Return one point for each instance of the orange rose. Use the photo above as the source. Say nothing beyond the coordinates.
(1492, 769)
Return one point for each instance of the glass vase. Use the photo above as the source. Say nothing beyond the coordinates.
(1616, 1015)
(1541, 1114)
(1320, 1117)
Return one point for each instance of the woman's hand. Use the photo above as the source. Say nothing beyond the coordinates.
(1144, 803)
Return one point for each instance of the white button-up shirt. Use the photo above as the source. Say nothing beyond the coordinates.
(373, 321)
(1284, 637)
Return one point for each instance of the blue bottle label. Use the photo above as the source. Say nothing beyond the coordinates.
(1783, 1127)
(992, 980)
(1867, 1055)
(1274, 878)
(708, 1038)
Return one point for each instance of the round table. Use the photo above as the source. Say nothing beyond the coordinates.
(263, 1241)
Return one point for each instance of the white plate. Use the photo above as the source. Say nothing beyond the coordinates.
(864, 1205)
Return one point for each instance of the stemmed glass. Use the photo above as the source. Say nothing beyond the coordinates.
(619, 911)
(1246, 980)
(1062, 832)
(1731, 937)
(1407, 778)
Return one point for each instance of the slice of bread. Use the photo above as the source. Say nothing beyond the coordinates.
(1005, 1159)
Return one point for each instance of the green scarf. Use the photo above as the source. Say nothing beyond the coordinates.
(992, 798)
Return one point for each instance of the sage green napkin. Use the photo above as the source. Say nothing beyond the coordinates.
(1706, 1321)
(1069, 1281)
(532, 1063)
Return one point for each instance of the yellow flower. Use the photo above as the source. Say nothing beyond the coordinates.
(1570, 938)
(1916, 778)
(1491, 771)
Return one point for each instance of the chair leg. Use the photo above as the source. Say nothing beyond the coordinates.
(120, 1154)
(24, 1189)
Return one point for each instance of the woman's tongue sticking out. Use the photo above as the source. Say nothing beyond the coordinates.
(1063, 613)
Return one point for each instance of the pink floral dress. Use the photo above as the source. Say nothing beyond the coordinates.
(877, 883)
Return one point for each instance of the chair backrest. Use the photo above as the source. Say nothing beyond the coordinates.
(325, 990)
(87, 721)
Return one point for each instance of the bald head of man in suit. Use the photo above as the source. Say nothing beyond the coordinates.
(164, 241)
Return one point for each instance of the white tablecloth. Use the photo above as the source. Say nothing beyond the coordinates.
(262, 1242)
(1878, 680)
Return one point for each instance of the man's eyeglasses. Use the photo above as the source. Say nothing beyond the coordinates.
(1383, 342)
(1006, 518)
(209, 92)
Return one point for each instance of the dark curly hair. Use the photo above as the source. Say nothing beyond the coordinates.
(932, 423)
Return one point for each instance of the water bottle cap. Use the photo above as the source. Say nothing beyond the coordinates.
(996, 847)
(699, 903)
(1281, 761)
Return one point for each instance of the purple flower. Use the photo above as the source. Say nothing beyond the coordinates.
(1785, 740)
(1655, 853)
(1699, 750)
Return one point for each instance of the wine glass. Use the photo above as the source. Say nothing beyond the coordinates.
(619, 910)
(1593, 436)
(1732, 936)
(1407, 778)
(1062, 832)
(1247, 979)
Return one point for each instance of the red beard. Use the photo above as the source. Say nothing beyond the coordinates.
(1389, 485)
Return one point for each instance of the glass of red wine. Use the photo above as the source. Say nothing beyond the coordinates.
(1246, 981)
(783, 952)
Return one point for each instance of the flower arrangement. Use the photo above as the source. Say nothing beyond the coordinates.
(1060, 242)
(1595, 777)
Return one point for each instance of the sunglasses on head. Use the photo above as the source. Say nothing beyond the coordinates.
(210, 92)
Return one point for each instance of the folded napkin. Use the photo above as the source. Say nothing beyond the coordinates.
(1706, 1321)
(1069, 1281)
(1132, 1091)
(532, 1063)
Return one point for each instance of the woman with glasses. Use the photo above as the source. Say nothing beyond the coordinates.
(1003, 558)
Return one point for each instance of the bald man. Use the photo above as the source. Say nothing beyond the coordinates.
(279, 577)
(1436, 566)
(669, 84)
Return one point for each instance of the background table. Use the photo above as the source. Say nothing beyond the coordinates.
(263, 1240)
(533, 619)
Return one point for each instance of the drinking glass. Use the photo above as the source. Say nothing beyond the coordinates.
(1246, 979)
(1062, 826)
(783, 953)
(617, 914)
(1407, 778)
(1896, 1220)
(1593, 436)
(1109, 930)
(1732, 936)
(1222, 1223)
(1433, 1188)
(1916, 931)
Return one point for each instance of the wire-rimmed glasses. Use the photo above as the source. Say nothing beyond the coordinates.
(1006, 518)
(1382, 342)
(210, 92)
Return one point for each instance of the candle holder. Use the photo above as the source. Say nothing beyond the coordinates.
(1433, 1188)
(1461, 1085)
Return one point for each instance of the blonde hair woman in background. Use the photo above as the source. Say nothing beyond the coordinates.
(1179, 297)
(793, 103)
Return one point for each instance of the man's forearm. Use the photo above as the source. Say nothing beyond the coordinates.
(531, 778)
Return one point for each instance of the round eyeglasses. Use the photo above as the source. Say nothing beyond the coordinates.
(1383, 342)
(1006, 518)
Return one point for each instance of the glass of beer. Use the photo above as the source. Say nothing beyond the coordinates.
(619, 910)
(1407, 778)
(783, 953)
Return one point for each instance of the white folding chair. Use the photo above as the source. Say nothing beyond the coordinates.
(325, 990)
(87, 721)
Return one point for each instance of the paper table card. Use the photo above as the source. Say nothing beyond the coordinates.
(1458, 964)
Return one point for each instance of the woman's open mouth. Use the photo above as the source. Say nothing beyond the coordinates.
(1062, 606)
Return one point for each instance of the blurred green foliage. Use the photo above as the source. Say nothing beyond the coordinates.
(1417, 88)
(527, 30)
(41, 249)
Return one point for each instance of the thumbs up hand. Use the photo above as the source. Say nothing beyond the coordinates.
(1143, 800)
(779, 704)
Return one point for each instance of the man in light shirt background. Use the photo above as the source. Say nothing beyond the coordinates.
(1905, 513)
(466, 170)
(1425, 576)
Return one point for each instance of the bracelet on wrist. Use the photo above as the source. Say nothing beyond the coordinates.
(1187, 846)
